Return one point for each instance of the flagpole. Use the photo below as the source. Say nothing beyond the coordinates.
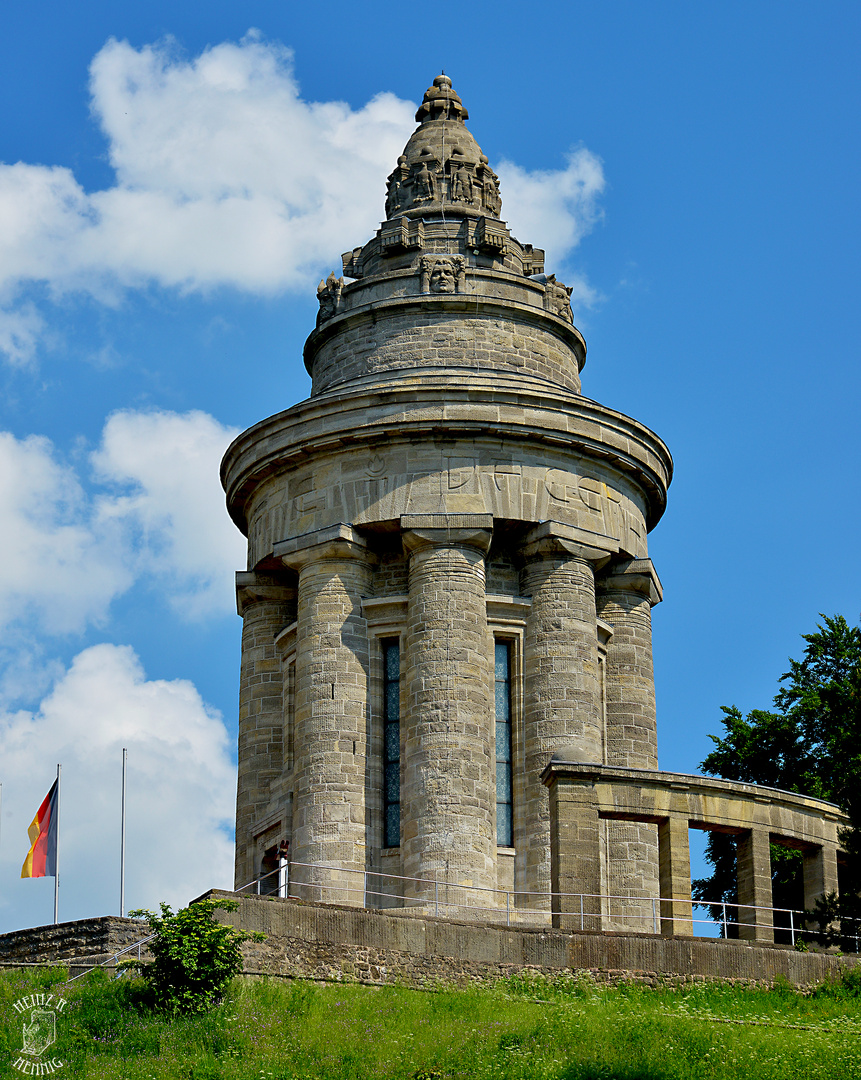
(123, 841)
(57, 863)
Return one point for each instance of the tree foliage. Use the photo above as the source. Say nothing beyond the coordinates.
(810, 744)
(194, 957)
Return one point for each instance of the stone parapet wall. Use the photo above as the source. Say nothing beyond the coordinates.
(328, 942)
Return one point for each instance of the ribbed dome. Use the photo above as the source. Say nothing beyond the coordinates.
(442, 168)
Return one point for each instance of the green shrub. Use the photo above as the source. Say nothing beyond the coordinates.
(194, 957)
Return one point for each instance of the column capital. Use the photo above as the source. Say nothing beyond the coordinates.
(555, 538)
(254, 588)
(334, 542)
(420, 531)
(633, 575)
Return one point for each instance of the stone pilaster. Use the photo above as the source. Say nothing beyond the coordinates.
(561, 699)
(331, 731)
(266, 606)
(448, 795)
(625, 595)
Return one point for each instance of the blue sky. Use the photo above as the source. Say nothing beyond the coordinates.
(175, 182)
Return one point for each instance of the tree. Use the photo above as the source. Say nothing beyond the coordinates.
(194, 957)
(810, 744)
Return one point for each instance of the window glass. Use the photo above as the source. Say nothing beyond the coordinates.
(502, 667)
(391, 743)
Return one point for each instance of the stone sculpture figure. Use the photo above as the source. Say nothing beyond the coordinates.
(461, 185)
(442, 275)
(396, 194)
(423, 183)
(329, 297)
(557, 298)
(489, 182)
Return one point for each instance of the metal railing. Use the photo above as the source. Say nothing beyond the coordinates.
(111, 959)
(590, 910)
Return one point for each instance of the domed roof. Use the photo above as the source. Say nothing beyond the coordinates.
(442, 169)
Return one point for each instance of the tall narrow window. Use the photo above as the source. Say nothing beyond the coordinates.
(391, 743)
(502, 664)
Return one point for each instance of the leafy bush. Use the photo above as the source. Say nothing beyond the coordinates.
(194, 957)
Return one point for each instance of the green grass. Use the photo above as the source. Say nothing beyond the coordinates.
(563, 1028)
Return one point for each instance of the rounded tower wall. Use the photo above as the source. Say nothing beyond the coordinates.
(494, 322)
(460, 534)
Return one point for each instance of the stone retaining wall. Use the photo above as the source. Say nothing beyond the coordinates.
(98, 939)
(329, 942)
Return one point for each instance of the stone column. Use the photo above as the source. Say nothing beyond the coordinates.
(675, 869)
(575, 854)
(331, 730)
(266, 605)
(753, 876)
(448, 794)
(561, 698)
(625, 595)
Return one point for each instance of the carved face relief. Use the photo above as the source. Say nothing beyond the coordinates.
(443, 277)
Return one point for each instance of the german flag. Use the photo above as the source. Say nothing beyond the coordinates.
(41, 859)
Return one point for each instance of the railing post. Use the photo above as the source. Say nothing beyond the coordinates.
(365, 889)
(654, 916)
(436, 897)
(723, 919)
(581, 911)
(792, 927)
(508, 909)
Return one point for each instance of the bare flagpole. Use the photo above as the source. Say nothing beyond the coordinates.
(123, 841)
(57, 856)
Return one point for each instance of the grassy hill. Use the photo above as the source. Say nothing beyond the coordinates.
(522, 1028)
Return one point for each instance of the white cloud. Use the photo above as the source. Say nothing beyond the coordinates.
(67, 550)
(553, 208)
(181, 790)
(175, 505)
(58, 569)
(225, 176)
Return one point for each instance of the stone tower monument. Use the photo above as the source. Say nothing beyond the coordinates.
(448, 577)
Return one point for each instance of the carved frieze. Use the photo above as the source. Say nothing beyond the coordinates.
(383, 486)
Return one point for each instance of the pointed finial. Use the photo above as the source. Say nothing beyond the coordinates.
(441, 102)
